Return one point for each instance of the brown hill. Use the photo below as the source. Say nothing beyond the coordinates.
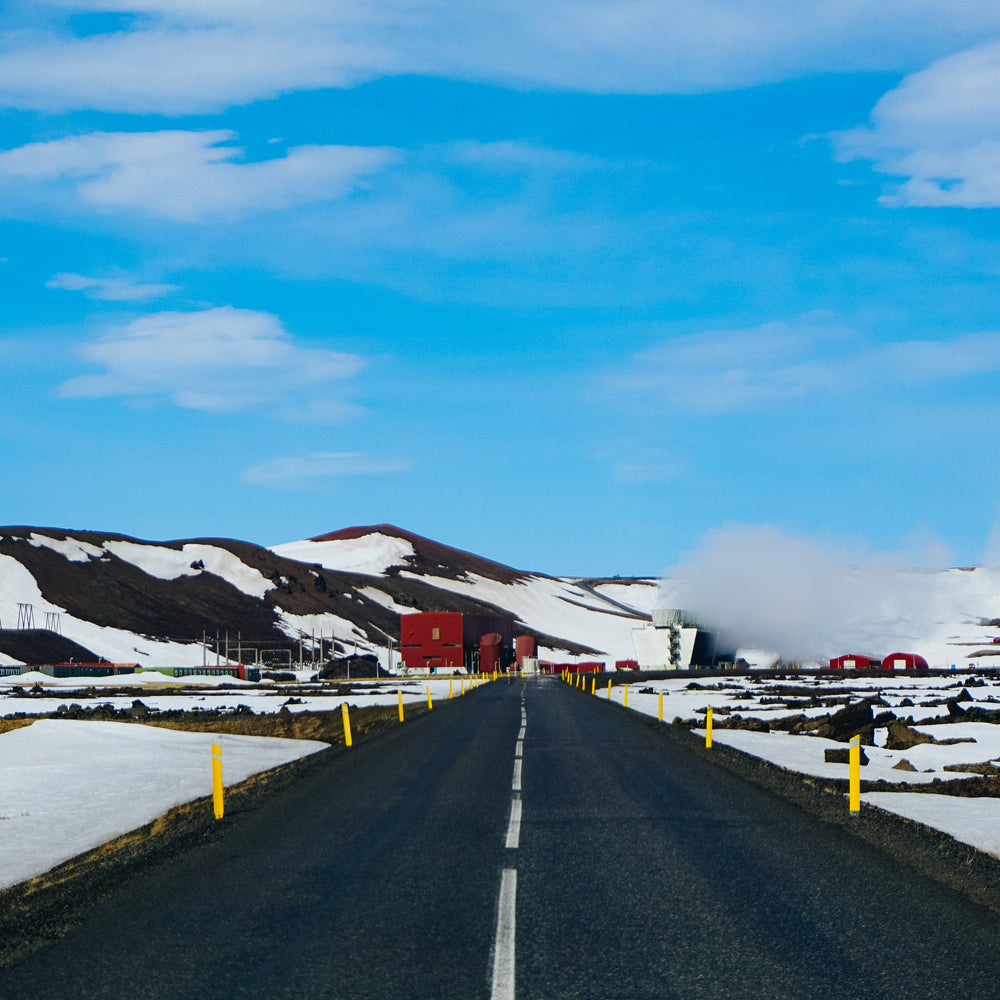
(100, 587)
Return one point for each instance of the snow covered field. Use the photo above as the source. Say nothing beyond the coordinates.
(208, 693)
(973, 821)
(69, 786)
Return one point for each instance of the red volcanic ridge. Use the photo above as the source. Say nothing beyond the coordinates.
(432, 557)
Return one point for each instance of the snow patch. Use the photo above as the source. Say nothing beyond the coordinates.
(67, 787)
(371, 554)
(169, 564)
(71, 548)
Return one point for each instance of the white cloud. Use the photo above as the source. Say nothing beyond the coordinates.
(940, 130)
(173, 69)
(802, 597)
(306, 471)
(109, 289)
(221, 360)
(181, 56)
(508, 156)
(729, 371)
(190, 176)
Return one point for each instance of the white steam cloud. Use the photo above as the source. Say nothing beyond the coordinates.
(802, 599)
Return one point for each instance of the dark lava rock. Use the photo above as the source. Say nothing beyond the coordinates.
(843, 726)
(964, 695)
(750, 724)
(902, 737)
(906, 703)
(351, 666)
(954, 709)
(835, 755)
(985, 768)
(138, 710)
(904, 765)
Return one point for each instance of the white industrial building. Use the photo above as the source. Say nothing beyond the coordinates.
(673, 641)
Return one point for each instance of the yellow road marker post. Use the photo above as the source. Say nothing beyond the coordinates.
(625, 698)
(593, 684)
(708, 728)
(854, 757)
(660, 712)
(217, 780)
(347, 724)
(399, 695)
(429, 703)
(451, 681)
(609, 689)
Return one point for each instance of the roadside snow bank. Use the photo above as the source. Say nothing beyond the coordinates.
(67, 787)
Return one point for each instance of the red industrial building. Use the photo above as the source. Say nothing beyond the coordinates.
(894, 661)
(904, 661)
(452, 640)
(581, 667)
(855, 661)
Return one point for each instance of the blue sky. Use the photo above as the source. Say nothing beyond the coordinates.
(569, 287)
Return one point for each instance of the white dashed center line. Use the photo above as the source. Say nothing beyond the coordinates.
(503, 946)
(514, 826)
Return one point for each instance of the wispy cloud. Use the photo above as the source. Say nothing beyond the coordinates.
(221, 360)
(190, 176)
(183, 56)
(647, 472)
(109, 289)
(314, 470)
(730, 371)
(940, 131)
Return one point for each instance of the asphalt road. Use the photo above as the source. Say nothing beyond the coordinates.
(525, 841)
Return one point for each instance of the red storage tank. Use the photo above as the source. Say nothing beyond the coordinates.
(489, 652)
(626, 664)
(904, 661)
(525, 646)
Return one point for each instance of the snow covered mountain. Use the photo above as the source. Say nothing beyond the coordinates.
(85, 595)
(568, 615)
(89, 595)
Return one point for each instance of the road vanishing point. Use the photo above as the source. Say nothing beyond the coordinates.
(527, 841)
